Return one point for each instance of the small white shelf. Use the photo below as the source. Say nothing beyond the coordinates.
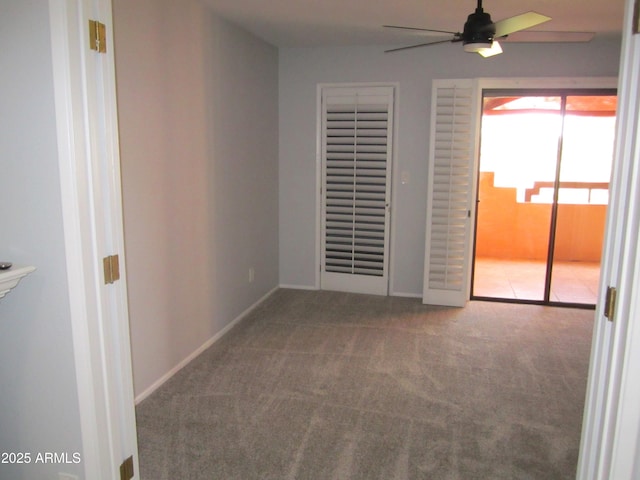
(10, 278)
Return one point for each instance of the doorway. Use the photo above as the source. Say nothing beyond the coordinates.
(543, 183)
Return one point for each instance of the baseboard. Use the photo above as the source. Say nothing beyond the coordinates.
(299, 287)
(158, 383)
(406, 295)
(313, 287)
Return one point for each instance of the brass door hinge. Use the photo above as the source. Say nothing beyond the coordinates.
(97, 36)
(126, 469)
(111, 266)
(610, 303)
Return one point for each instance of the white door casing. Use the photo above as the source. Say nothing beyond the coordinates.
(611, 427)
(85, 101)
(356, 151)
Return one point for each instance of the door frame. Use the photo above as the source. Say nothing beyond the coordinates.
(463, 251)
(611, 427)
(88, 156)
(563, 93)
(528, 84)
(319, 177)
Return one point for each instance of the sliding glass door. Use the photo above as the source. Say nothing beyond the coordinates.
(583, 194)
(545, 163)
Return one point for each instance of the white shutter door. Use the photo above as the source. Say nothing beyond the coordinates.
(450, 192)
(357, 128)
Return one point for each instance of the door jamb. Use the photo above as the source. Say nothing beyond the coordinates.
(104, 427)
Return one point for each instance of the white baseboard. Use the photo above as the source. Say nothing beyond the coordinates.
(299, 287)
(313, 287)
(200, 349)
(407, 295)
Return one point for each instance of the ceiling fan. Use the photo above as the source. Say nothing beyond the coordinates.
(480, 33)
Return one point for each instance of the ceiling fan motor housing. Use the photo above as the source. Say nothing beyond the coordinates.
(479, 29)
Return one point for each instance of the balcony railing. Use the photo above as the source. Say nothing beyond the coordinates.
(589, 186)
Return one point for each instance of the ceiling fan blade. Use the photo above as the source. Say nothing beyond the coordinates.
(519, 22)
(419, 29)
(422, 45)
(533, 36)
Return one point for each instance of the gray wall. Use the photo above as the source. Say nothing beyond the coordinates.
(38, 394)
(301, 70)
(198, 112)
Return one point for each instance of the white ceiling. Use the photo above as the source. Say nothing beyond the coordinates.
(307, 23)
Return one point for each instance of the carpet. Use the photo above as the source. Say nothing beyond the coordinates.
(328, 385)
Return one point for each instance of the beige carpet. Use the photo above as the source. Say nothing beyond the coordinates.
(325, 385)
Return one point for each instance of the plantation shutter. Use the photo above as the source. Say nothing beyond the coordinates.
(451, 187)
(357, 128)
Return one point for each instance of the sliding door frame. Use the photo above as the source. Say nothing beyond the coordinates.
(563, 94)
(460, 296)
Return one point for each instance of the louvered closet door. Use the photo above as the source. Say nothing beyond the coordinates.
(451, 190)
(357, 128)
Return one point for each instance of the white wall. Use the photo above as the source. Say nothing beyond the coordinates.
(301, 70)
(198, 108)
(38, 394)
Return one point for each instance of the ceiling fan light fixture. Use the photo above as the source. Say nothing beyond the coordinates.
(477, 46)
(495, 49)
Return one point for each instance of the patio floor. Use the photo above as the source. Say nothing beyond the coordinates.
(571, 282)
